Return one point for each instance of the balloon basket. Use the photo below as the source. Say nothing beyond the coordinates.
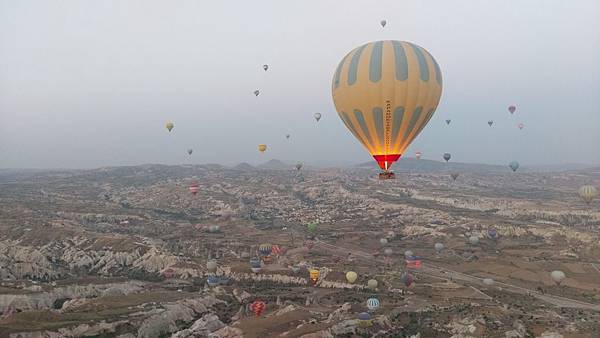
(387, 175)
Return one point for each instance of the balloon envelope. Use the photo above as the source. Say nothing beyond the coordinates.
(265, 67)
(372, 284)
(258, 307)
(514, 165)
(262, 148)
(385, 92)
(169, 126)
(512, 109)
(558, 276)
(317, 116)
(351, 276)
(454, 176)
(448, 121)
(314, 275)
(447, 156)
(383, 23)
(256, 92)
(588, 193)
(490, 122)
(190, 151)
(439, 247)
(372, 304)
(474, 240)
(407, 279)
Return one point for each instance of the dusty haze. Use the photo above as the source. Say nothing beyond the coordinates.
(87, 84)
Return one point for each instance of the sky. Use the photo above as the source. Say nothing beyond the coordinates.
(86, 84)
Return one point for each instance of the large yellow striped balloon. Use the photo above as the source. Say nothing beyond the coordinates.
(386, 92)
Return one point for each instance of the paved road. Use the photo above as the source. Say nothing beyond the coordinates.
(445, 273)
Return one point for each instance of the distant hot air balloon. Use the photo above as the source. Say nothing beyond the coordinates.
(255, 265)
(438, 247)
(490, 122)
(388, 251)
(312, 227)
(265, 249)
(383, 241)
(364, 319)
(514, 165)
(448, 121)
(407, 279)
(351, 276)
(169, 126)
(492, 233)
(372, 304)
(265, 67)
(211, 266)
(258, 307)
(447, 156)
(214, 228)
(317, 116)
(418, 155)
(474, 240)
(372, 284)
(213, 280)
(314, 275)
(190, 151)
(408, 254)
(309, 244)
(256, 92)
(588, 193)
(298, 166)
(287, 136)
(521, 125)
(454, 176)
(385, 92)
(383, 23)
(488, 281)
(194, 188)
(512, 109)
(558, 276)
(262, 148)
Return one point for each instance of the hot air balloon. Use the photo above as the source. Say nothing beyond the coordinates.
(213, 280)
(382, 23)
(454, 176)
(258, 307)
(314, 275)
(262, 148)
(266, 67)
(317, 116)
(309, 244)
(351, 277)
(265, 249)
(407, 279)
(194, 188)
(474, 240)
(298, 166)
(408, 254)
(364, 319)
(383, 241)
(588, 193)
(447, 156)
(512, 109)
(388, 251)
(372, 284)
(521, 125)
(169, 126)
(492, 233)
(488, 281)
(256, 92)
(372, 304)
(514, 165)
(312, 227)
(211, 266)
(448, 121)
(418, 155)
(287, 136)
(190, 151)
(558, 276)
(438, 247)
(255, 265)
(385, 92)
(490, 122)
(214, 228)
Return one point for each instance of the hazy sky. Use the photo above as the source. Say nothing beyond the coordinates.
(92, 83)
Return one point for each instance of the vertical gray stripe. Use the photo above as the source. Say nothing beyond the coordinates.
(350, 125)
(438, 71)
(376, 60)
(363, 125)
(423, 69)
(401, 62)
(413, 120)
(338, 72)
(353, 69)
(397, 122)
(427, 118)
(378, 119)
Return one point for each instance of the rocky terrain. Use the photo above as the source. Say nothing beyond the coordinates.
(123, 252)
